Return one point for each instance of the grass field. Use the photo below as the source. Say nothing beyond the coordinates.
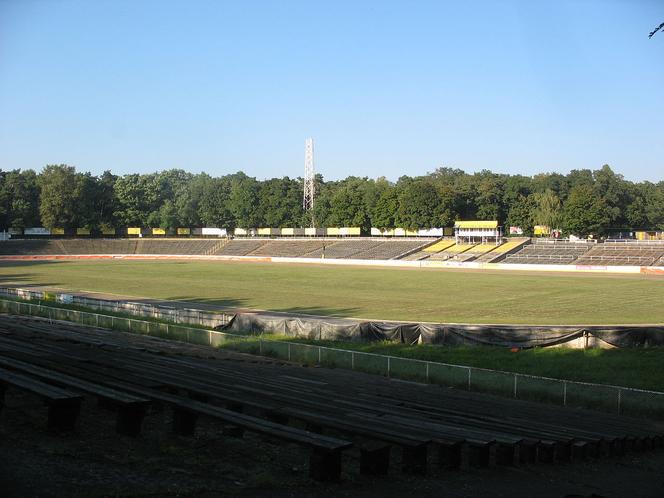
(382, 293)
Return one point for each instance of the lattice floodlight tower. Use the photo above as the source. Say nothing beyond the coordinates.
(309, 186)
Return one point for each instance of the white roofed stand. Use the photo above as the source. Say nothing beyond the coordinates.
(478, 232)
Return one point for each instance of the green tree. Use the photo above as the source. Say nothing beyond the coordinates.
(384, 211)
(578, 177)
(165, 217)
(547, 209)
(280, 202)
(520, 213)
(105, 204)
(19, 199)
(323, 205)
(585, 212)
(465, 198)
(59, 187)
(62, 197)
(489, 188)
(86, 198)
(137, 197)
(614, 190)
(420, 206)
(347, 207)
(557, 183)
(5, 201)
(213, 206)
(243, 201)
(646, 210)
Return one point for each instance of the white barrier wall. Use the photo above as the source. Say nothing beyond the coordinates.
(219, 232)
(563, 268)
(360, 262)
(431, 232)
(400, 232)
(37, 231)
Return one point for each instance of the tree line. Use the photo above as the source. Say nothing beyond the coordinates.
(583, 202)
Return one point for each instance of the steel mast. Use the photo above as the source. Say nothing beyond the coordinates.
(309, 179)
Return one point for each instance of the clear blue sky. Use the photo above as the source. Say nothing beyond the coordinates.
(385, 88)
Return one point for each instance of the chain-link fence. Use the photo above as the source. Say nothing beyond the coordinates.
(616, 399)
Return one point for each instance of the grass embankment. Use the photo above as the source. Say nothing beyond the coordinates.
(639, 368)
(436, 295)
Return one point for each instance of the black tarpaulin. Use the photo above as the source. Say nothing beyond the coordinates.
(521, 336)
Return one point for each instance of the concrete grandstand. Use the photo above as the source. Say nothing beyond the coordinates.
(512, 251)
(334, 248)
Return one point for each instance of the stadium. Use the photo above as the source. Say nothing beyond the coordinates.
(339, 352)
(363, 305)
(459, 297)
(375, 356)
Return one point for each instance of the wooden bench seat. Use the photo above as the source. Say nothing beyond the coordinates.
(63, 406)
(131, 408)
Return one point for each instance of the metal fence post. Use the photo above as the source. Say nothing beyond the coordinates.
(320, 352)
(289, 351)
(427, 372)
(619, 399)
(469, 370)
(352, 360)
(564, 393)
(515, 377)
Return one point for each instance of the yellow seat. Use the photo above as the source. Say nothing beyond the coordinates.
(483, 248)
(441, 245)
(459, 248)
(509, 245)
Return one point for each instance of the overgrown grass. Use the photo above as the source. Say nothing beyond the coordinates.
(639, 368)
(438, 295)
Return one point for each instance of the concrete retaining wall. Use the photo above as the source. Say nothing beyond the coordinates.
(159, 312)
(654, 270)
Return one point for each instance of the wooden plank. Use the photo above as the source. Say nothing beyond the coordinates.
(26, 383)
(522, 427)
(63, 406)
(131, 408)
